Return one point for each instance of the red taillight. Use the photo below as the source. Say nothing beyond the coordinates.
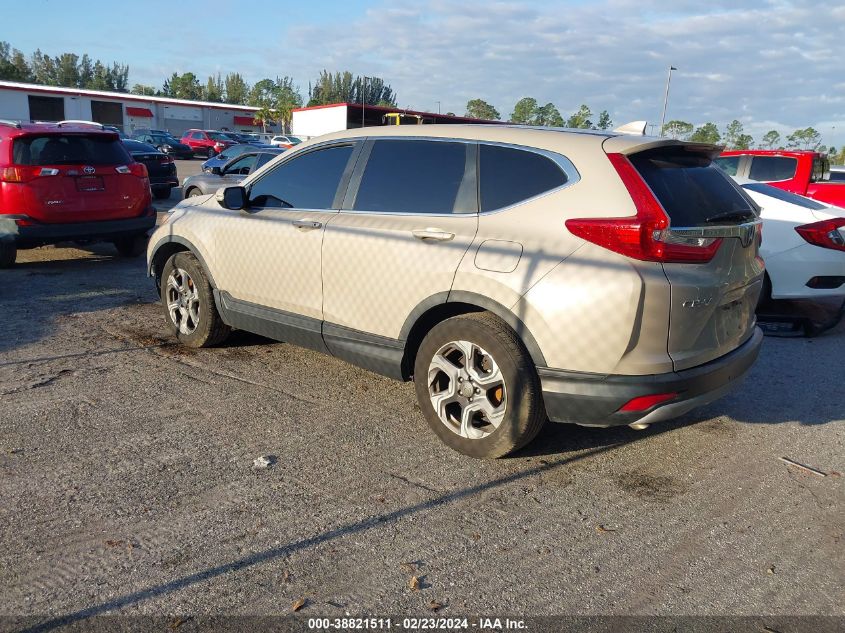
(25, 173)
(644, 403)
(139, 170)
(827, 233)
(643, 236)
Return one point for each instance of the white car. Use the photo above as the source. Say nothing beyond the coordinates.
(285, 140)
(803, 244)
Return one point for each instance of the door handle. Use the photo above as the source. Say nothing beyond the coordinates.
(307, 225)
(432, 234)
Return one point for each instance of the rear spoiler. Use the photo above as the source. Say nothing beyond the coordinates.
(628, 144)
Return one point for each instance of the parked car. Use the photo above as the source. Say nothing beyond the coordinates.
(803, 172)
(231, 173)
(207, 142)
(160, 167)
(286, 141)
(165, 142)
(235, 150)
(512, 273)
(804, 245)
(837, 173)
(70, 181)
(116, 130)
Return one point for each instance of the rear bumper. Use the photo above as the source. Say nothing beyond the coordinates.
(39, 234)
(595, 400)
(164, 181)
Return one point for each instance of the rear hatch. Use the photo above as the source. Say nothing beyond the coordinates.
(712, 300)
(78, 177)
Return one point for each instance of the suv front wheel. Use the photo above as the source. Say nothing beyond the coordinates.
(477, 386)
(189, 303)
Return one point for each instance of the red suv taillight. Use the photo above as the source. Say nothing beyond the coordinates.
(25, 173)
(827, 233)
(643, 236)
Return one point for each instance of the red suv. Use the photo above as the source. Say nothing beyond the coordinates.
(207, 142)
(70, 181)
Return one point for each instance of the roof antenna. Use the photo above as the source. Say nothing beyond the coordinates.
(636, 128)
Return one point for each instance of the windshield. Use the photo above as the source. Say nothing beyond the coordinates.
(160, 138)
(294, 140)
(786, 196)
(69, 149)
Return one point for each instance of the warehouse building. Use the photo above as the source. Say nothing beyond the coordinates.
(32, 102)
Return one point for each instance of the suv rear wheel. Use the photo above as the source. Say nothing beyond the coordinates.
(211, 153)
(8, 253)
(477, 386)
(189, 303)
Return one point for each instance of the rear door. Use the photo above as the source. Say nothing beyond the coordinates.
(712, 303)
(407, 220)
(79, 179)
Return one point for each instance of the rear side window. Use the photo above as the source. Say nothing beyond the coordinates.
(70, 149)
(690, 187)
(837, 176)
(309, 181)
(767, 168)
(511, 175)
(415, 177)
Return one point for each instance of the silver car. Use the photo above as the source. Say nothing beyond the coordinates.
(514, 274)
(230, 173)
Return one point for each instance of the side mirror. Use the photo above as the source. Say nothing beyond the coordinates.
(233, 198)
(216, 170)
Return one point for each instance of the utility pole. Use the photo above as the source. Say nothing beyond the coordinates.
(666, 100)
(438, 107)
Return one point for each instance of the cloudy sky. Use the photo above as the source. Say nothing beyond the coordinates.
(772, 64)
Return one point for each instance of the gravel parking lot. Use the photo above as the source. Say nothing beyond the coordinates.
(128, 483)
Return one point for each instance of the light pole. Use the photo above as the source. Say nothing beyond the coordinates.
(666, 100)
(438, 107)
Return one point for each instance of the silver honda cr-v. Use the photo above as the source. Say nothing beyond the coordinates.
(515, 274)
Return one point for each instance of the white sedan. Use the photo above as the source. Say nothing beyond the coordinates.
(803, 244)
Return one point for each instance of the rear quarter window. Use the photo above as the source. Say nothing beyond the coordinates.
(770, 168)
(69, 149)
(510, 175)
(690, 187)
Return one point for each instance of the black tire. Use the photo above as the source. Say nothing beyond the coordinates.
(525, 412)
(210, 329)
(162, 194)
(211, 153)
(131, 246)
(8, 253)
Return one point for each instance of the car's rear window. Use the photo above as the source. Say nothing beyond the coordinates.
(768, 168)
(69, 149)
(692, 190)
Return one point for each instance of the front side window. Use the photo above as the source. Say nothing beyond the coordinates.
(510, 175)
(307, 181)
(415, 177)
(769, 168)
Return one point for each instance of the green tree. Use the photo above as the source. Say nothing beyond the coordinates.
(732, 133)
(237, 90)
(580, 119)
(86, 71)
(744, 141)
(525, 111)
(265, 115)
(213, 89)
(605, 122)
(808, 138)
(184, 86)
(343, 87)
(549, 116)
(101, 78)
(13, 64)
(43, 68)
(141, 89)
(480, 109)
(678, 129)
(707, 133)
(771, 139)
(67, 70)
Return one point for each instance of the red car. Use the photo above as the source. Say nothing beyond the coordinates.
(207, 142)
(70, 181)
(804, 172)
